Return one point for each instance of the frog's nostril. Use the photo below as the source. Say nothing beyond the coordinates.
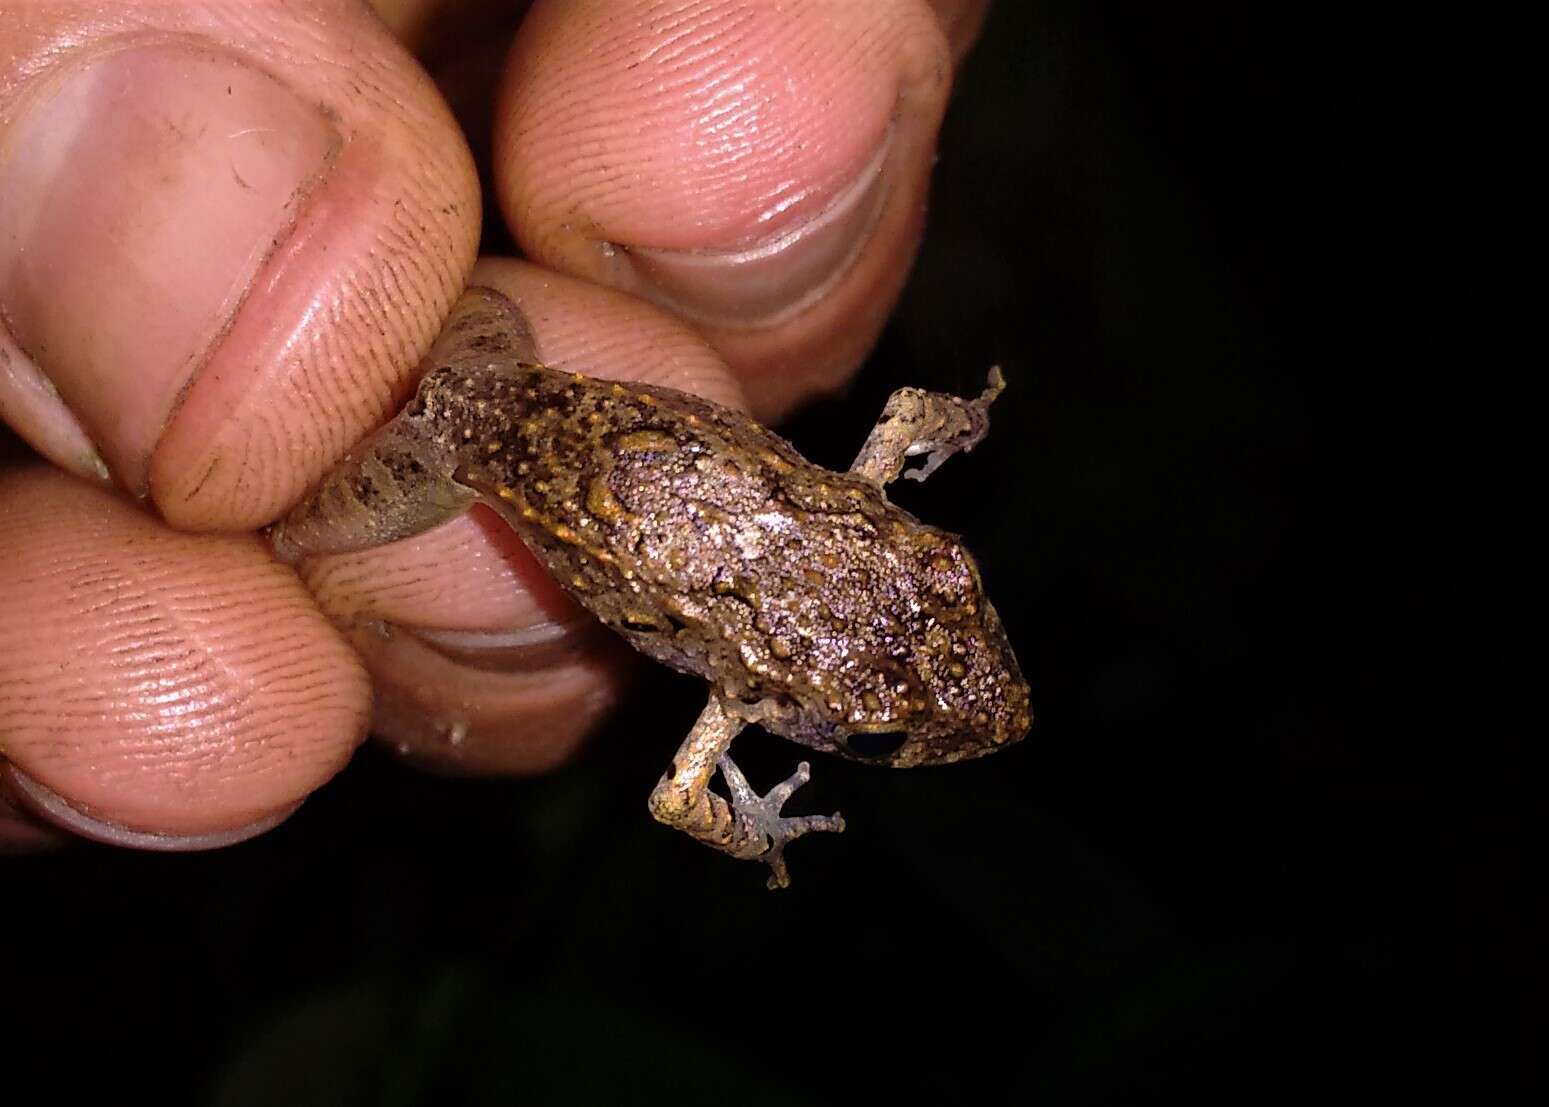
(876, 744)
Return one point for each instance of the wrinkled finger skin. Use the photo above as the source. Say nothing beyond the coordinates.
(208, 695)
(227, 231)
(759, 170)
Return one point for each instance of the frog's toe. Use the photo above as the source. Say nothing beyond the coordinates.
(762, 815)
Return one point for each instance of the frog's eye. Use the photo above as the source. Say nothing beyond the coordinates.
(876, 743)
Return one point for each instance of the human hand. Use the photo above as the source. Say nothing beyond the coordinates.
(228, 232)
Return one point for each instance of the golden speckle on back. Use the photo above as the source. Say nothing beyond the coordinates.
(644, 441)
(601, 501)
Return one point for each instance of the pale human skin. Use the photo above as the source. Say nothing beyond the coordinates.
(212, 287)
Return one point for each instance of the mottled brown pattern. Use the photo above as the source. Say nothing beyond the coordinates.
(810, 603)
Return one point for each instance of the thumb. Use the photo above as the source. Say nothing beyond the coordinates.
(227, 232)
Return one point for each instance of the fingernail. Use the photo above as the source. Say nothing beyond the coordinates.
(54, 808)
(769, 282)
(140, 194)
(511, 651)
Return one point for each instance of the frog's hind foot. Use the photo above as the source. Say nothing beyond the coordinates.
(746, 826)
(761, 815)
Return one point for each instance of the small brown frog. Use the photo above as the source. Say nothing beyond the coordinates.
(810, 604)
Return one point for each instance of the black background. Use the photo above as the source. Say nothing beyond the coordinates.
(1256, 513)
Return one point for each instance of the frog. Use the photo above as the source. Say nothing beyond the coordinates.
(809, 603)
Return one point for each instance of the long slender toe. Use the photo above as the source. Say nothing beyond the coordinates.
(763, 831)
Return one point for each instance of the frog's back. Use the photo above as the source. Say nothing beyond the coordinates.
(714, 547)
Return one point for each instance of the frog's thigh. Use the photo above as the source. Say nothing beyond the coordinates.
(396, 484)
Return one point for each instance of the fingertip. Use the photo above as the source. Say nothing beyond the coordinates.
(162, 684)
(57, 811)
(457, 710)
(292, 211)
(759, 172)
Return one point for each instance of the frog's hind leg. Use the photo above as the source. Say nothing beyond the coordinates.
(396, 484)
(401, 480)
(918, 422)
(749, 826)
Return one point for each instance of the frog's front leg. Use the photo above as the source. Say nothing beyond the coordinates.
(918, 422)
(749, 826)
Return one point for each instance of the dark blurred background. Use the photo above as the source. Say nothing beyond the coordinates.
(1256, 516)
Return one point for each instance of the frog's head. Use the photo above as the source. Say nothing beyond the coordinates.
(924, 679)
(971, 704)
(908, 665)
